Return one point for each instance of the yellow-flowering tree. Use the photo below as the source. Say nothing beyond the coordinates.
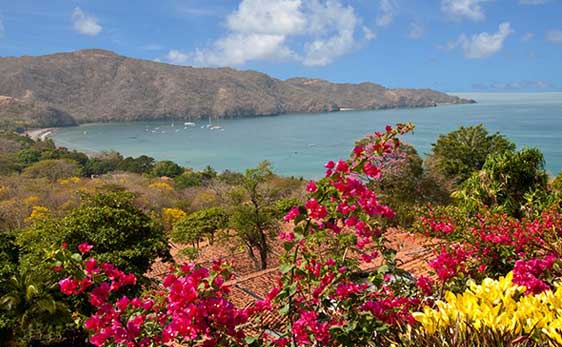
(170, 216)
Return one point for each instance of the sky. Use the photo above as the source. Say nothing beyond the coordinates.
(449, 45)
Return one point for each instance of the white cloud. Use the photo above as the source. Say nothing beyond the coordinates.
(334, 25)
(461, 9)
(237, 49)
(369, 34)
(485, 44)
(554, 36)
(268, 29)
(527, 37)
(282, 17)
(386, 13)
(84, 23)
(416, 30)
(177, 57)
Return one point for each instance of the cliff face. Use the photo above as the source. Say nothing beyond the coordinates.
(98, 85)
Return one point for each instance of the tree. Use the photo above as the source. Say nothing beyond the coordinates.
(140, 165)
(463, 151)
(403, 184)
(106, 162)
(504, 181)
(166, 168)
(253, 212)
(9, 253)
(401, 173)
(53, 169)
(33, 309)
(121, 233)
(193, 227)
(29, 156)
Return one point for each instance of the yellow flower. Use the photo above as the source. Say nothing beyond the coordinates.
(171, 215)
(38, 213)
(160, 186)
(500, 306)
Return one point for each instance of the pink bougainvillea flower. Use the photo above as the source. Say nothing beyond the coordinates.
(85, 247)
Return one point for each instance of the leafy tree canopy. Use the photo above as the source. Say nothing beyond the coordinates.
(504, 181)
(120, 232)
(193, 227)
(463, 151)
(166, 168)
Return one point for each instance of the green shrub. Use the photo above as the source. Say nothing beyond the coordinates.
(120, 232)
(29, 156)
(166, 168)
(463, 151)
(142, 164)
(284, 205)
(203, 223)
(505, 182)
(188, 179)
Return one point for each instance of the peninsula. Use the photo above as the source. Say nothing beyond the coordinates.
(96, 85)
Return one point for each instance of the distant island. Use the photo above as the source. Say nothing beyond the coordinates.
(94, 85)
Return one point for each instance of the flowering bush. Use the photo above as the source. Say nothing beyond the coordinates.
(321, 293)
(493, 244)
(170, 216)
(493, 313)
(190, 308)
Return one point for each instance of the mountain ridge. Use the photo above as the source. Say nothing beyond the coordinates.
(96, 85)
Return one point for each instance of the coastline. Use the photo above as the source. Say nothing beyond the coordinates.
(40, 134)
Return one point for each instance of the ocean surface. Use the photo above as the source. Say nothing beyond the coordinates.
(299, 144)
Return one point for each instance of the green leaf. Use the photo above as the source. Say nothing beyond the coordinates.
(284, 310)
(284, 268)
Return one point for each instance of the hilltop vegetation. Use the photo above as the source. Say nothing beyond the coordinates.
(80, 235)
(97, 85)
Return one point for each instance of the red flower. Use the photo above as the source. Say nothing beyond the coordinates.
(68, 286)
(292, 214)
(311, 187)
(85, 247)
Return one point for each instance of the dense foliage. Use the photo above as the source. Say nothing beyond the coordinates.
(75, 251)
(506, 182)
(461, 152)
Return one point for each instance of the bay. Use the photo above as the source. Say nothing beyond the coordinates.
(299, 144)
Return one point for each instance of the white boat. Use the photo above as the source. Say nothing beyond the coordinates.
(189, 124)
(215, 127)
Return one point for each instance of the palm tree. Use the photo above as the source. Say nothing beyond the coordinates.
(31, 305)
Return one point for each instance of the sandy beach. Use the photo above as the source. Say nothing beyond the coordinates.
(40, 134)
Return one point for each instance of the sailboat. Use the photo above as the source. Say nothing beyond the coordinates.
(213, 127)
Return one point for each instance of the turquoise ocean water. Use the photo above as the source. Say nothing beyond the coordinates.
(299, 144)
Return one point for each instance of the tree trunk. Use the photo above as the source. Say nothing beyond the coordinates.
(252, 256)
(263, 249)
